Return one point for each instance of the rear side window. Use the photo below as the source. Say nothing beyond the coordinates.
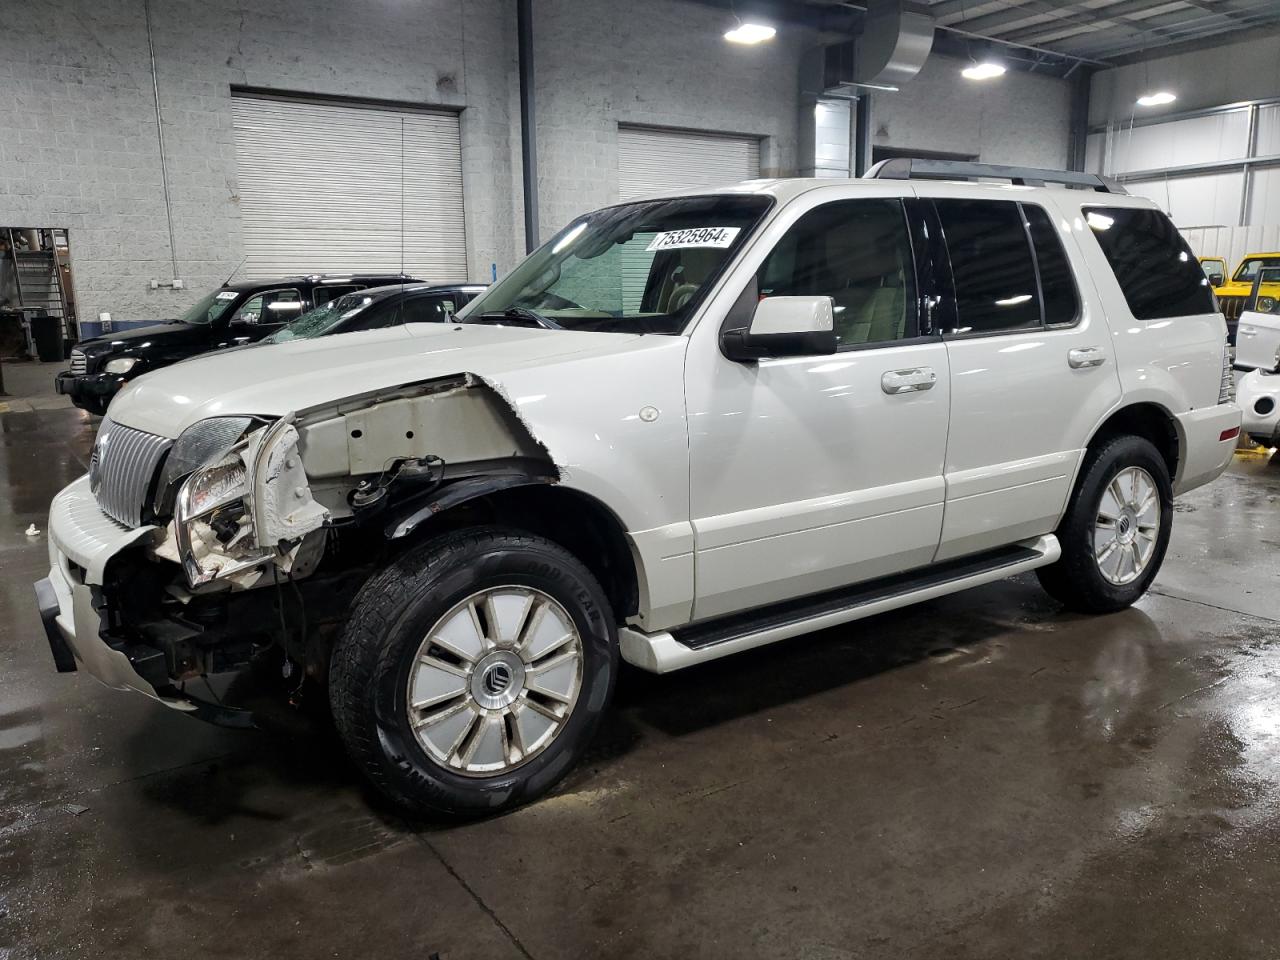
(324, 294)
(1057, 285)
(991, 265)
(1157, 271)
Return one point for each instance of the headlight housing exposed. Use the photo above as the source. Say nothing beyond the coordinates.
(202, 444)
(121, 365)
(1266, 305)
(247, 502)
(212, 487)
(206, 478)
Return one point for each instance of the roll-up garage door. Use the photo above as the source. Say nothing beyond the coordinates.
(651, 161)
(332, 189)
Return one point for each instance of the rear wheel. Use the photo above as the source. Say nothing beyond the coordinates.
(1116, 528)
(474, 671)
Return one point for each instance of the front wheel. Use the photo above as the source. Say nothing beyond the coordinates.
(474, 671)
(1116, 528)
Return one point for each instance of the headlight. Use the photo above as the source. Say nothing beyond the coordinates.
(1266, 305)
(202, 444)
(121, 364)
(212, 487)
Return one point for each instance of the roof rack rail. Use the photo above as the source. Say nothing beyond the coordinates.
(912, 168)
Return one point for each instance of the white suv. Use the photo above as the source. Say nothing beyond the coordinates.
(682, 428)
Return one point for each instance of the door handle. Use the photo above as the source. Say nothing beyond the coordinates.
(908, 381)
(1247, 331)
(1085, 357)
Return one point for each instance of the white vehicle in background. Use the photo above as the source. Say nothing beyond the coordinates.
(683, 428)
(1258, 394)
(1258, 333)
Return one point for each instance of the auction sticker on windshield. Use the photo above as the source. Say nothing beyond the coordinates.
(227, 295)
(694, 237)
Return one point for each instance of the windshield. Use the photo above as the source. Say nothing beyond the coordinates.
(635, 268)
(323, 318)
(211, 306)
(1249, 269)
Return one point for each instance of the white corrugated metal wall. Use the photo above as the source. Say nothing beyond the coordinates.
(653, 162)
(1206, 205)
(332, 188)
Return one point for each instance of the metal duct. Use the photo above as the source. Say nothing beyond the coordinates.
(896, 39)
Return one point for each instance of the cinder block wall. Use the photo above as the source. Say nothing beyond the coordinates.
(658, 63)
(78, 142)
(1224, 73)
(1019, 118)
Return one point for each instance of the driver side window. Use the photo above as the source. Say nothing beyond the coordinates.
(272, 307)
(858, 253)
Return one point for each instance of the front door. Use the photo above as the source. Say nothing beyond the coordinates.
(809, 473)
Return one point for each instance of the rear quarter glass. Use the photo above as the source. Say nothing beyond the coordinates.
(1157, 271)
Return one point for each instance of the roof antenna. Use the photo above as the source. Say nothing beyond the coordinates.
(236, 270)
(402, 203)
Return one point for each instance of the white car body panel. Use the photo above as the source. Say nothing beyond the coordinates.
(1258, 340)
(740, 484)
(1020, 415)
(580, 394)
(805, 475)
(1258, 395)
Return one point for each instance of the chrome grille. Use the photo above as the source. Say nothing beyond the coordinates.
(121, 469)
(79, 362)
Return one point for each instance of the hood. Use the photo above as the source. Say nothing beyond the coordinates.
(274, 379)
(167, 332)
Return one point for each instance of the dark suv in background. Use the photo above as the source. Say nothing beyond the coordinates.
(235, 313)
(379, 307)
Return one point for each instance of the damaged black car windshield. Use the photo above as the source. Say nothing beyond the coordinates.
(634, 268)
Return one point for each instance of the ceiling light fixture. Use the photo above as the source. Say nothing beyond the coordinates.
(983, 71)
(1156, 99)
(750, 33)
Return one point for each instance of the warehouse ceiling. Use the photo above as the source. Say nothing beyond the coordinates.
(1105, 29)
(1052, 37)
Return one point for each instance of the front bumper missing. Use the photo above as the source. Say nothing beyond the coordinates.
(91, 391)
(64, 657)
(82, 540)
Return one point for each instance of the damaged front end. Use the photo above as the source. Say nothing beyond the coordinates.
(267, 528)
(248, 509)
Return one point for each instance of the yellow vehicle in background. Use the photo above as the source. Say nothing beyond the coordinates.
(1233, 293)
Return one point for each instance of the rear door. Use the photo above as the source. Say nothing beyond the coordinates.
(1032, 367)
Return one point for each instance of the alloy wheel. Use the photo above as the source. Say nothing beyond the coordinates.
(1127, 526)
(495, 680)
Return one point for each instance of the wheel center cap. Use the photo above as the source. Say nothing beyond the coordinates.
(497, 680)
(1126, 528)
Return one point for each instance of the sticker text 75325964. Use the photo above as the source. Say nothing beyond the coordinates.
(694, 237)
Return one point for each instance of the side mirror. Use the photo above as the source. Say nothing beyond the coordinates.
(784, 327)
(1216, 279)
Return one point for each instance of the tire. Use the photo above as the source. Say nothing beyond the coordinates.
(433, 588)
(1077, 579)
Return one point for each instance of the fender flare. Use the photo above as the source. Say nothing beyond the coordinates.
(408, 515)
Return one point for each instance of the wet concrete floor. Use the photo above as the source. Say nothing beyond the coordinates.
(981, 776)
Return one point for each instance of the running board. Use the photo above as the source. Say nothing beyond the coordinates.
(683, 647)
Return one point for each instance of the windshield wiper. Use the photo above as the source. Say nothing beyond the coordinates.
(516, 313)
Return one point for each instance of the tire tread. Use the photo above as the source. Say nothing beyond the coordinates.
(362, 652)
